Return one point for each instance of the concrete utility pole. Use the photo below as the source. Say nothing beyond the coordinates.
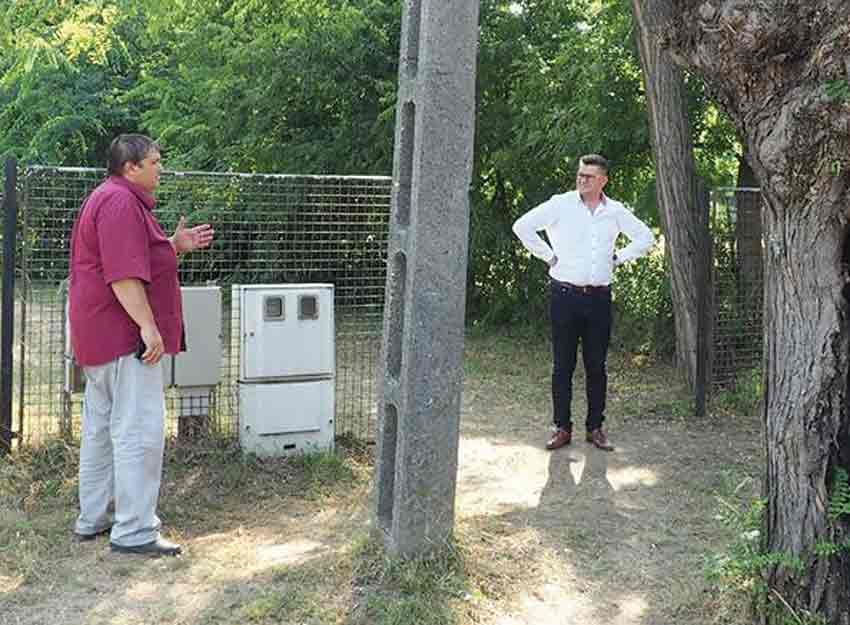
(421, 375)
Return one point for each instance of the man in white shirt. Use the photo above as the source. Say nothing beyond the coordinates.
(582, 227)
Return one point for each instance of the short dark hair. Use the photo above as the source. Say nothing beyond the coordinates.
(128, 148)
(597, 160)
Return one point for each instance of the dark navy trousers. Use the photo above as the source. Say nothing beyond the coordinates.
(585, 318)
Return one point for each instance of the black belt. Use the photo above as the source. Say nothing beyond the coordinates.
(586, 289)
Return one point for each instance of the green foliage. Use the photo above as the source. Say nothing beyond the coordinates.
(643, 306)
(744, 397)
(837, 91)
(290, 86)
(741, 569)
(839, 500)
(65, 69)
(829, 548)
(552, 77)
(716, 147)
(265, 86)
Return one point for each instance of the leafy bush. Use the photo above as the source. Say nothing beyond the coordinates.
(643, 308)
(739, 572)
(745, 396)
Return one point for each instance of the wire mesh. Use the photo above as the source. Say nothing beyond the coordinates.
(268, 229)
(738, 280)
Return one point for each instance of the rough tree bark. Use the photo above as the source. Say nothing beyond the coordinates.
(769, 64)
(682, 209)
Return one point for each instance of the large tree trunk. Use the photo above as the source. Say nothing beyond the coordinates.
(768, 63)
(682, 209)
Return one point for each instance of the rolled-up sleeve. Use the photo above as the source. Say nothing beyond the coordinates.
(122, 235)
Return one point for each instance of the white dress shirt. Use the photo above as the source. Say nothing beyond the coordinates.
(583, 240)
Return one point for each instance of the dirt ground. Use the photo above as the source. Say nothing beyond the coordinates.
(577, 536)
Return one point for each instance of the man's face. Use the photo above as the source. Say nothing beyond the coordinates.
(590, 179)
(146, 172)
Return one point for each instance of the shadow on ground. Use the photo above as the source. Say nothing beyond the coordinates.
(611, 538)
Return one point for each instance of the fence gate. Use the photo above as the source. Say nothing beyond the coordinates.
(734, 358)
(268, 229)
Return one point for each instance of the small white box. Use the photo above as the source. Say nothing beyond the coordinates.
(284, 418)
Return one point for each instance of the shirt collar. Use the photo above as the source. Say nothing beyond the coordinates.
(603, 199)
(144, 197)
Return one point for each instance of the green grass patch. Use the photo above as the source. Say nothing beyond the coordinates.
(290, 605)
(429, 590)
(44, 476)
(323, 471)
(38, 501)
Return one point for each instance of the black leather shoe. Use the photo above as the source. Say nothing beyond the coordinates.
(158, 547)
(84, 538)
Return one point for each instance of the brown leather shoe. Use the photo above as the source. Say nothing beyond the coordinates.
(599, 439)
(560, 437)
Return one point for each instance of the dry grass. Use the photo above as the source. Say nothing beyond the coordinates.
(576, 536)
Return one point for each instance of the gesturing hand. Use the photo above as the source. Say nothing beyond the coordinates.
(188, 239)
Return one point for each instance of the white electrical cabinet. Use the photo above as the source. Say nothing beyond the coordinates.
(286, 367)
(196, 372)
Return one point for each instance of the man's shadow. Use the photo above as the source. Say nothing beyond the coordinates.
(578, 498)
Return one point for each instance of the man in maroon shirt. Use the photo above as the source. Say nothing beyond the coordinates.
(125, 313)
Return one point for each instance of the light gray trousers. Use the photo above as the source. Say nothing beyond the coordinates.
(122, 442)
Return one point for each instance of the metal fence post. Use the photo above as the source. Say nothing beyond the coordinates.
(7, 318)
(700, 386)
(703, 308)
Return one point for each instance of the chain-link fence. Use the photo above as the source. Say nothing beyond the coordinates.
(299, 229)
(268, 229)
(735, 356)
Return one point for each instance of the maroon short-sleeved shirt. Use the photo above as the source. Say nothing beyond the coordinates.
(116, 237)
